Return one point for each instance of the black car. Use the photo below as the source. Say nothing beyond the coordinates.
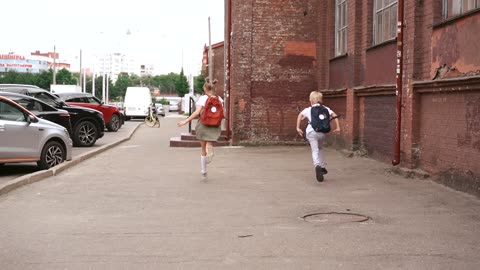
(42, 110)
(87, 124)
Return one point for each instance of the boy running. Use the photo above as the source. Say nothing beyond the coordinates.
(316, 139)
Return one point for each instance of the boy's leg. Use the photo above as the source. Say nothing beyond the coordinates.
(316, 145)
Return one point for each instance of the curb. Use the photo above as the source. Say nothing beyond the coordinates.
(40, 175)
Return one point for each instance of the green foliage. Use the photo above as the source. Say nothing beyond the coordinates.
(163, 101)
(65, 77)
(43, 79)
(181, 84)
(198, 83)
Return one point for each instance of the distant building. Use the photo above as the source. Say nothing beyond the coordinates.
(146, 70)
(36, 62)
(113, 64)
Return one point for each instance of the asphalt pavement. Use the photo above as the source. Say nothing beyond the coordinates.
(143, 205)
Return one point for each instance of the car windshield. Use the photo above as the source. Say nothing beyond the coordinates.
(47, 98)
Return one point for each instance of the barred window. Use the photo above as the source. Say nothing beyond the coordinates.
(384, 20)
(453, 8)
(341, 26)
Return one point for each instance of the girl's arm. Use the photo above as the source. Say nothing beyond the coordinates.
(191, 117)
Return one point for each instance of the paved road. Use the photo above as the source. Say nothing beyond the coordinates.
(142, 205)
(14, 170)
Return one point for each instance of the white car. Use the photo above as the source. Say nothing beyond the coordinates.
(26, 138)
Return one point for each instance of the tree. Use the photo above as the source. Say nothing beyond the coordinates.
(65, 77)
(181, 84)
(199, 81)
(123, 81)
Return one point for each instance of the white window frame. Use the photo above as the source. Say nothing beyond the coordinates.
(341, 27)
(378, 31)
(460, 6)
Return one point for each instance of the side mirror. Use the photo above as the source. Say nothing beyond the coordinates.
(31, 119)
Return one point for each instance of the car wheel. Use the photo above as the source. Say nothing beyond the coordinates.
(114, 123)
(85, 134)
(53, 153)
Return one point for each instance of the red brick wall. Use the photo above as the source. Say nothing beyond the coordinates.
(456, 45)
(218, 69)
(378, 126)
(274, 60)
(381, 64)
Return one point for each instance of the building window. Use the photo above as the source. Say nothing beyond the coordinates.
(341, 27)
(453, 8)
(384, 20)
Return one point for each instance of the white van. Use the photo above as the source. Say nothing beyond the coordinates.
(136, 102)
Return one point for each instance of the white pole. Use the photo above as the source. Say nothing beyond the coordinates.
(93, 80)
(210, 61)
(84, 90)
(103, 86)
(106, 92)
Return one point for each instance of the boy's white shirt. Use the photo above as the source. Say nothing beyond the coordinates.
(203, 99)
(307, 113)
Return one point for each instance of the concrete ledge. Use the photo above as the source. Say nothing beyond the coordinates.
(40, 175)
(24, 180)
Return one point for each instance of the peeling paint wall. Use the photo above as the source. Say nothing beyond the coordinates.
(456, 48)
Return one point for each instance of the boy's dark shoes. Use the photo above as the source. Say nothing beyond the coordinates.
(319, 173)
(324, 170)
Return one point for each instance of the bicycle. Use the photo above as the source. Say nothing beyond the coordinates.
(152, 118)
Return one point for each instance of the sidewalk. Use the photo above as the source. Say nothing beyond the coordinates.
(261, 208)
(111, 139)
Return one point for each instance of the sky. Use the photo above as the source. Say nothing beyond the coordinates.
(164, 33)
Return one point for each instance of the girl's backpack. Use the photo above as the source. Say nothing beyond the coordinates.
(212, 112)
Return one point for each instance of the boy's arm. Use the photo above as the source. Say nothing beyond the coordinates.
(299, 121)
(337, 123)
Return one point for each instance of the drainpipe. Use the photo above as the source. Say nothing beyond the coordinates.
(228, 34)
(400, 26)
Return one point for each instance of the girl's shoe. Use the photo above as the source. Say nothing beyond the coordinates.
(209, 153)
(204, 176)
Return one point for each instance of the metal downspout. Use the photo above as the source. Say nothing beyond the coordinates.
(400, 27)
(228, 14)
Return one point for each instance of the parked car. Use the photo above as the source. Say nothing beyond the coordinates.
(88, 124)
(41, 110)
(174, 106)
(26, 138)
(111, 115)
(160, 109)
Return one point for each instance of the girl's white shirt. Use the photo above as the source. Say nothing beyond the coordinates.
(203, 99)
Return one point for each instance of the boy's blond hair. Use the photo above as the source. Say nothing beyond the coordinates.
(316, 97)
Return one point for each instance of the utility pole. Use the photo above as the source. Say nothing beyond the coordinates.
(80, 75)
(210, 61)
(93, 78)
(54, 66)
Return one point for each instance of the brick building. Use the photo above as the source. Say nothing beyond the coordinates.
(218, 59)
(282, 50)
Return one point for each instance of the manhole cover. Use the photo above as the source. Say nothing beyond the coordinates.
(335, 217)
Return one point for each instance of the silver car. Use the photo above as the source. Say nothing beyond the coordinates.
(26, 138)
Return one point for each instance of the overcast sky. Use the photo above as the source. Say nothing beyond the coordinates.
(159, 30)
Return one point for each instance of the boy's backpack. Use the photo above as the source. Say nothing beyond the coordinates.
(212, 112)
(320, 119)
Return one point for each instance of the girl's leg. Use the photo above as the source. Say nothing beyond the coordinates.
(203, 158)
(209, 151)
